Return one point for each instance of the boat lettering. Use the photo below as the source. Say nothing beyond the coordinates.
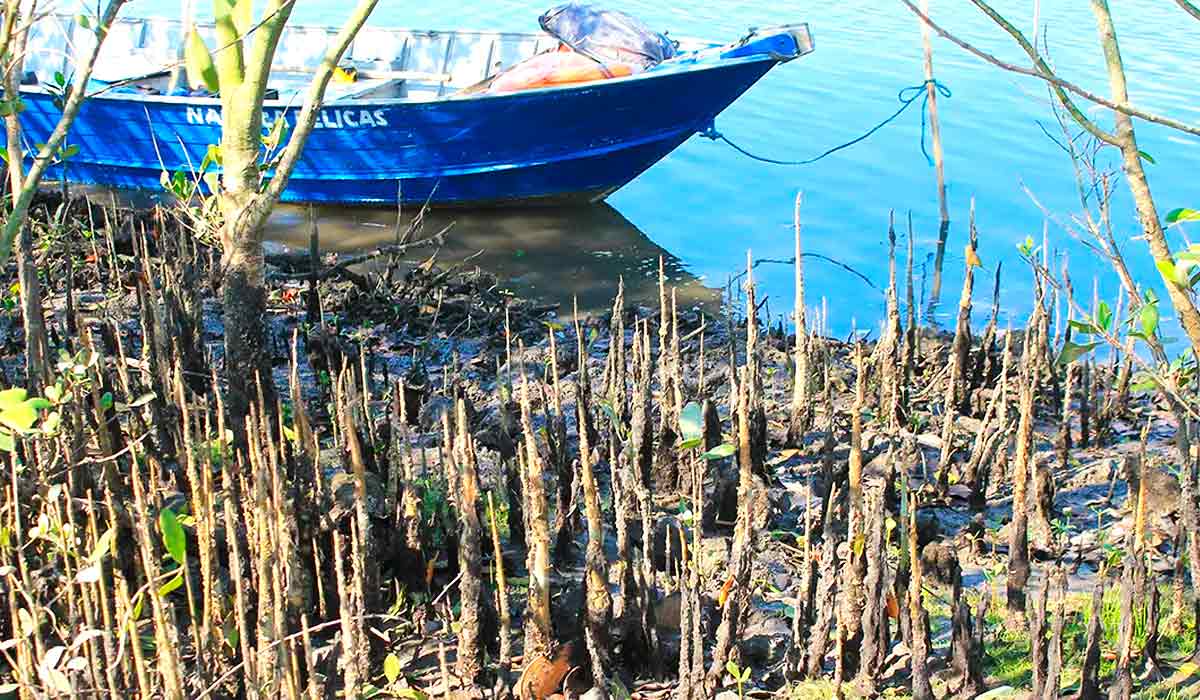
(341, 118)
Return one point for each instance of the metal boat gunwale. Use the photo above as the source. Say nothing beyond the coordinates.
(659, 71)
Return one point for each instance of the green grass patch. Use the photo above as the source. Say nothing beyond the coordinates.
(1006, 651)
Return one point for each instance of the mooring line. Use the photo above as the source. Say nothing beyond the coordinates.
(906, 96)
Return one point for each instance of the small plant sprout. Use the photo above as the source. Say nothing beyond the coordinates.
(691, 430)
(741, 676)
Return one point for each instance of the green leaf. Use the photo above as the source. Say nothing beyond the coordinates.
(83, 21)
(230, 631)
(59, 79)
(12, 397)
(1166, 268)
(53, 420)
(1026, 247)
(691, 444)
(691, 422)
(175, 582)
(7, 443)
(275, 137)
(103, 546)
(1146, 157)
(1185, 272)
(1146, 382)
(1073, 351)
(38, 404)
(173, 538)
(1085, 327)
(719, 452)
(1149, 318)
(200, 67)
(212, 156)
(28, 623)
(391, 668)
(70, 151)
(612, 417)
(1104, 316)
(1177, 215)
(19, 418)
(732, 669)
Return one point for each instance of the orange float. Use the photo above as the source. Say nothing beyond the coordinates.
(562, 67)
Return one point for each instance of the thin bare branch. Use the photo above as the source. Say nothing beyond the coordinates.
(1030, 49)
(1189, 8)
(316, 95)
(48, 151)
(1055, 80)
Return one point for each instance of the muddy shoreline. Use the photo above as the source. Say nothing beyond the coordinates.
(413, 389)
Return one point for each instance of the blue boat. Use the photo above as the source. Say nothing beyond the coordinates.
(409, 128)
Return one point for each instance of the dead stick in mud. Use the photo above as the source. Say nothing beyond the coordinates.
(1018, 552)
(889, 350)
(1121, 687)
(825, 596)
(956, 386)
(918, 617)
(801, 412)
(1054, 648)
(505, 659)
(470, 654)
(599, 601)
(313, 299)
(850, 626)
(729, 630)
(911, 349)
(935, 129)
(1089, 672)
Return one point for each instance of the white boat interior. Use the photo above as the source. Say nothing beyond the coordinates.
(139, 54)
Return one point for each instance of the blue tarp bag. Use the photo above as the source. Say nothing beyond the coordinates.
(607, 36)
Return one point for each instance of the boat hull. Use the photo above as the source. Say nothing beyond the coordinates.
(553, 146)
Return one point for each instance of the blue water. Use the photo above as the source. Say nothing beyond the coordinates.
(706, 205)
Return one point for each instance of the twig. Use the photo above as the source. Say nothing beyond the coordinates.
(291, 637)
(342, 266)
(1123, 107)
(1189, 8)
(117, 455)
(445, 590)
(792, 261)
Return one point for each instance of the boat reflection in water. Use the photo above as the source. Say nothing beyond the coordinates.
(554, 255)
